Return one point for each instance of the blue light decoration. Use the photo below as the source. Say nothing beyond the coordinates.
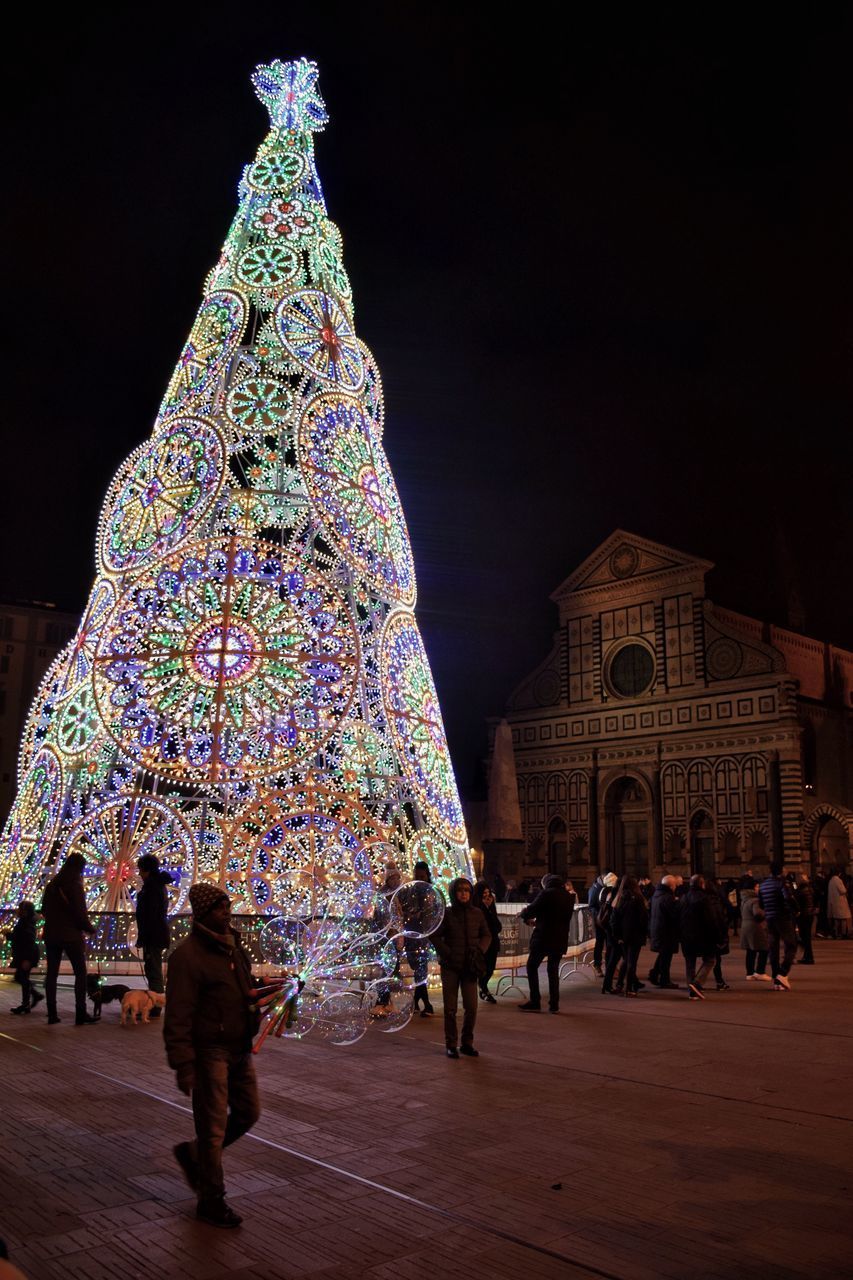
(248, 695)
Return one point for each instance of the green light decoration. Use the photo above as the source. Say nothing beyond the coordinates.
(248, 695)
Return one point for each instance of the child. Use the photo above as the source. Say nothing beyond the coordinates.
(25, 956)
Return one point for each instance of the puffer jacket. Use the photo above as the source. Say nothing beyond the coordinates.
(753, 930)
(207, 997)
(63, 906)
(463, 928)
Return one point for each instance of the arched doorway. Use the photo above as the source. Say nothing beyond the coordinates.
(702, 844)
(558, 847)
(628, 814)
(830, 844)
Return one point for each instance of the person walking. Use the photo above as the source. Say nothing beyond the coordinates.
(551, 910)
(630, 929)
(461, 942)
(838, 906)
(754, 939)
(720, 912)
(485, 900)
(208, 1031)
(152, 923)
(604, 921)
(699, 936)
(25, 956)
(66, 919)
(664, 933)
(777, 903)
(806, 912)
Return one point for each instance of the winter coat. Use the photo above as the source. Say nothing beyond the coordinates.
(152, 905)
(698, 925)
(24, 946)
(594, 893)
(837, 903)
(664, 930)
(493, 920)
(804, 897)
(207, 997)
(720, 914)
(753, 930)
(775, 898)
(552, 910)
(631, 921)
(63, 906)
(463, 929)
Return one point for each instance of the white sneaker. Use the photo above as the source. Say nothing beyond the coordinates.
(762, 977)
(751, 977)
(784, 981)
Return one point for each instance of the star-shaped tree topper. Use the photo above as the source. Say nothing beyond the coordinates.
(289, 92)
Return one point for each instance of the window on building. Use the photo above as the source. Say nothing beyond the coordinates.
(558, 846)
(758, 844)
(6, 627)
(631, 671)
(4, 663)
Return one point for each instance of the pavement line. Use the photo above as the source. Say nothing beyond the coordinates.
(345, 1173)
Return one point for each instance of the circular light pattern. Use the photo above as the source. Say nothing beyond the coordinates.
(216, 333)
(371, 392)
(315, 330)
(81, 651)
(266, 268)
(276, 170)
(79, 723)
(349, 480)
(327, 265)
(411, 704)
(112, 836)
(258, 405)
(301, 852)
(417, 909)
(30, 829)
(161, 494)
(231, 660)
(286, 218)
(445, 860)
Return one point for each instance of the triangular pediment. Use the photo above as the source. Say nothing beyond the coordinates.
(622, 559)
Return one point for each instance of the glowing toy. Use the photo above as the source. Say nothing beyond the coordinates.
(248, 695)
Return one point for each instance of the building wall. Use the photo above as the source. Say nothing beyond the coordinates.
(663, 732)
(31, 636)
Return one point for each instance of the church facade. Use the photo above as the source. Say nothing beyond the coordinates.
(665, 733)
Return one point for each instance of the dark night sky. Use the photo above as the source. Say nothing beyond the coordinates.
(605, 269)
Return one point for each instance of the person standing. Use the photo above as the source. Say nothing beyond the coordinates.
(552, 911)
(630, 929)
(152, 923)
(66, 919)
(720, 912)
(208, 1031)
(461, 942)
(664, 933)
(593, 898)
(837, 906)
(418, 952)
(806, 912)
(25, 956)
(778, 906)
(604, 921)
(754, 939)
(699, 936)
(485, 900)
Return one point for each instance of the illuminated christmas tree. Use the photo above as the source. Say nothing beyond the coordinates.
(248, 695)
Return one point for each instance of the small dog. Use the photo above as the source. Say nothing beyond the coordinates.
(103, 993)
(136, 1006)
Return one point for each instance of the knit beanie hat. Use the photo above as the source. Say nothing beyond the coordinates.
(204, 897)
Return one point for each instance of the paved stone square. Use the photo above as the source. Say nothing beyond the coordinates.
(625, 1138)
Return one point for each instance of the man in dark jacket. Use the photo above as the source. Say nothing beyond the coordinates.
(461, 935)
(152, 925)
(664, 932)
(593, 898)
(66, 919)
(777, 903)
(806, 912)
(552, 911)
(208, 1031)
(699, 935)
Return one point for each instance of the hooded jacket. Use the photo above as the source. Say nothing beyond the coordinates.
(63, 906)
(207, 997)
(152, 905)
(552, 910)
(463, 929)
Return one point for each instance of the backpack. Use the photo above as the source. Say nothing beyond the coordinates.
(605, 911)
